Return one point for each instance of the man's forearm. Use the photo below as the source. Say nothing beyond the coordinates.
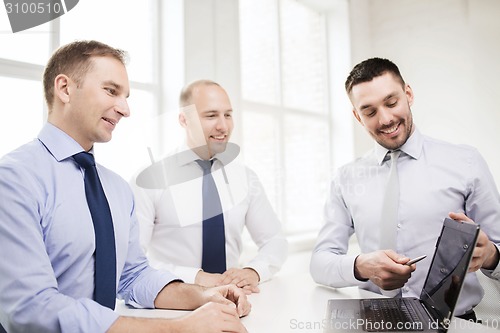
(146, 325)
(180, 296)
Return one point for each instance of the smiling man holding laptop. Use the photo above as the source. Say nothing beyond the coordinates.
(398, 207)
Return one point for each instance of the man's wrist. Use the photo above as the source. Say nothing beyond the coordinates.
(199, 277)
(253, 270)
(357, 274)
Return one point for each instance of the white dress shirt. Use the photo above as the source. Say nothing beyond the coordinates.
(170, 216)
(435, 178)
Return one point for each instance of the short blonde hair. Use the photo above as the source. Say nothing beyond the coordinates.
(74, 60)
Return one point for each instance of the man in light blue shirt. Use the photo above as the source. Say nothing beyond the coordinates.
(46, 231)
(435, 178)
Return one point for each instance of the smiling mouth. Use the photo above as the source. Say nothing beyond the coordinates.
(218, 137)
(111, 121)
(390, 130)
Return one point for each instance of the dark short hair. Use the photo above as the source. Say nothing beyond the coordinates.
(369, 69)
(74, 60)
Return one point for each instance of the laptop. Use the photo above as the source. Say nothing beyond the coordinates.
(433, 311)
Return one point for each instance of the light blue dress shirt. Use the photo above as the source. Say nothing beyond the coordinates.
(435, 178)
(47, 242)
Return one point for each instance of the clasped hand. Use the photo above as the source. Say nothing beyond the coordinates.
(245, 278)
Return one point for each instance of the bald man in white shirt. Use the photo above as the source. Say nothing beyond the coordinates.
(170, 210)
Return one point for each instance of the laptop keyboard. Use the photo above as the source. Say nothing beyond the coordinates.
(390, 315)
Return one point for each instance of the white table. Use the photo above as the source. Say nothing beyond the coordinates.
(292, 302)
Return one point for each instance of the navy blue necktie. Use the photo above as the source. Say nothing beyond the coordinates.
(105, 252)
(214, 240)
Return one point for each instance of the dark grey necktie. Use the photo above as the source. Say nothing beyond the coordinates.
(214, 240)
(105, 252)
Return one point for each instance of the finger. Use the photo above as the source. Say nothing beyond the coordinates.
(224, 282)
(238, 296)
(250, 288)
(246, 291)
(459, 217)
(225, 299)
(243, 307)
(392, 255)
(402, 260)
(230, 309)
(228, 280)
(241, 283)
(474, 266)
(234, 293)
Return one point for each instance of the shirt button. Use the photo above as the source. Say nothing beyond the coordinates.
(399, 225)
(443, 270)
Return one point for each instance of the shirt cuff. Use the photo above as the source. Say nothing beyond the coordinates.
(347, 270)
(187, 274)
(493, 273)
(145, 291)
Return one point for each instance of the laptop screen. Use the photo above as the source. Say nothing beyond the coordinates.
(448, 268)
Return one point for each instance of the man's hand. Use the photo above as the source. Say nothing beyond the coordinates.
(208, 279)
(245, 278)
(182, 296)
(229, 294)
(485, 253)
(211, 317)
(385, 268)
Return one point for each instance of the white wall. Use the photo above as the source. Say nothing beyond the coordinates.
(449, 52)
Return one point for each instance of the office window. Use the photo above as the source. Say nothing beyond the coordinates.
(22, 114)
(285, 121)
(21, 69)
(20, 46)
(126, 25)
(122, 24)
(131, 27)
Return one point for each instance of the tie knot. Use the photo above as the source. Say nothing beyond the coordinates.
(394, 154)
(84, 159)
(206, 165)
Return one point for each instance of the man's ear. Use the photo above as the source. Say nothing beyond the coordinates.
(409, 94)
(61, 88)
(356, 115)
(182, 119)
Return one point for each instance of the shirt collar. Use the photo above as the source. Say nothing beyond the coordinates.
(412, 147)
(59, 143)
(185, 155)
